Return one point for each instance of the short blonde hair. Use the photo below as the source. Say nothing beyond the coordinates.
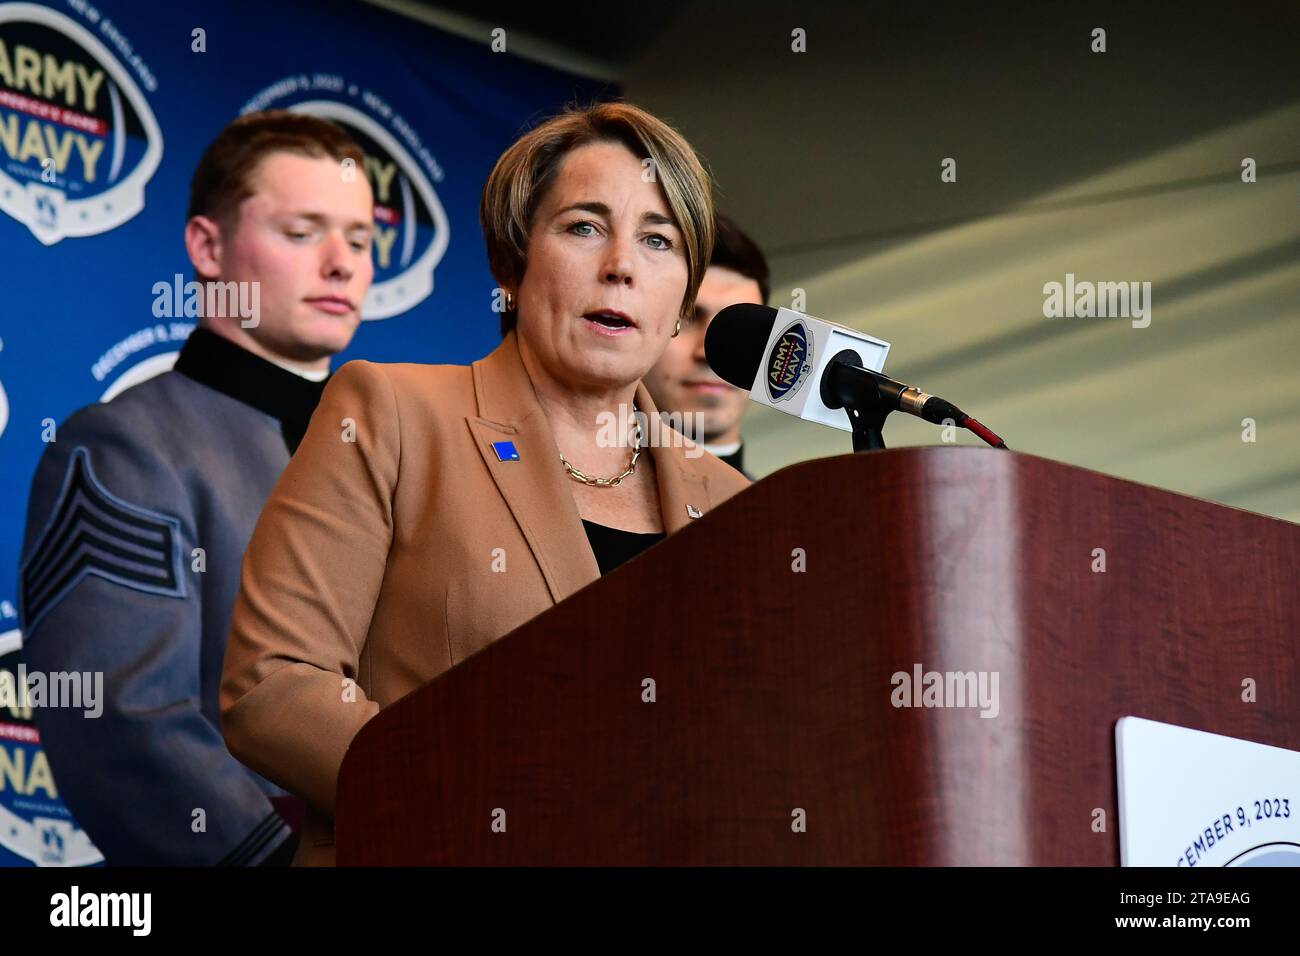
(526, 170)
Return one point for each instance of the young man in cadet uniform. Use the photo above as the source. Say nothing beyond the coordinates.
(112, 580)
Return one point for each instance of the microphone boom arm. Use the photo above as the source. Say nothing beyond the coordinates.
(868, 397)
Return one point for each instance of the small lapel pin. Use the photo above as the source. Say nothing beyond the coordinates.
(693, 511)
(505, 451)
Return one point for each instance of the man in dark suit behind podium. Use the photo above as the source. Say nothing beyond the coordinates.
(681, 380)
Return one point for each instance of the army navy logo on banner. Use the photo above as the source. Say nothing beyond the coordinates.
(78, 141)
(411, 227)
(34, 823)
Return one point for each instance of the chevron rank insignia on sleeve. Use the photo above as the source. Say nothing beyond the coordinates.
(92, 531)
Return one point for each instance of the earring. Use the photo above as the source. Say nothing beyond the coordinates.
(678, 329)
(510, 302)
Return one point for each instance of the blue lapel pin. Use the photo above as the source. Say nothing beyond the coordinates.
(505, 451)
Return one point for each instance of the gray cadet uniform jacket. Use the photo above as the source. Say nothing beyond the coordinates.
(121, 500)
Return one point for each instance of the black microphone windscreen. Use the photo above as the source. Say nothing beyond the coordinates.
(735, 341)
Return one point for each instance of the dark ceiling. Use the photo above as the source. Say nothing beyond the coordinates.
(609, 33)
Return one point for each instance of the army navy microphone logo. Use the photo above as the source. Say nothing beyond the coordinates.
(788, 362)
(78, 141)
(411, 228)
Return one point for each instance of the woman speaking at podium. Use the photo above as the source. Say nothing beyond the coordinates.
(431, 509)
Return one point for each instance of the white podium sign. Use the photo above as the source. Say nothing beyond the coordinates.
(1188, 798)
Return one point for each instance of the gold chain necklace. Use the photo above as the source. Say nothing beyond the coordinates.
(576, 475)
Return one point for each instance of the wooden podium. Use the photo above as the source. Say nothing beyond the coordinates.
(772, 629)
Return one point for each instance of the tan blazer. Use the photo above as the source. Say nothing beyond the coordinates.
(370, 571)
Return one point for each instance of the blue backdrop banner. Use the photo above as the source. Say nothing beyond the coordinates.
(105, 109)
